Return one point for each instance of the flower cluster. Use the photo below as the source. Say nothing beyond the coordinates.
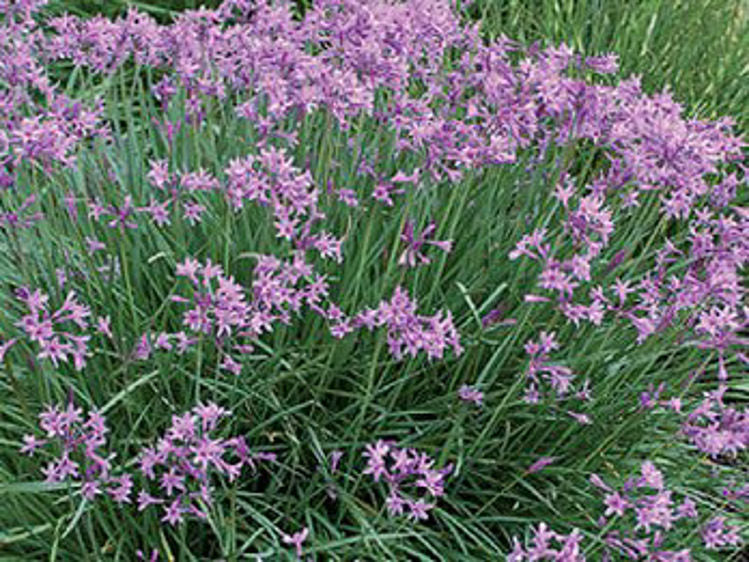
(716, 428)
(645, 515)
(705, 296)
(268, 179)
(406, 471)
(541, 371)
(227, 311)
(179, 191)
(716, 534)
(407, 331)
(80, 445)
(59, 334)
(271, 179)
(542, 547)
(480, 114)
(656, 515)
(183, 460)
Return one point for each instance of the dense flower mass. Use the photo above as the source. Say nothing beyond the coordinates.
(257, 186)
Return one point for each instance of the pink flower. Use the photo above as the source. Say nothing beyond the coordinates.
(296, 539)
(231, 365)
(651, 476)
(189, 268)
(103, 326)
(5, 347)
(583, 419)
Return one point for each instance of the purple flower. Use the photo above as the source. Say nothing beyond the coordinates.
(405, 470)
(651, 476)
(145, 500)
(615, 504)
(31, 444)
(121, 493)
(414, 244)
(348, 197)
(122, 215)
(189, 268)
(419, 509)
(159, 212)
(5, 346)
(172, 480)
(90, 489)
(687, 509)
(395, 503)
(103, 326)
(716, 533)
(471, 394)
(541, 463)
(548, 545)
(596, 480)
(173, 513)
(376, 455)
(432, 481)
(335, 459)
